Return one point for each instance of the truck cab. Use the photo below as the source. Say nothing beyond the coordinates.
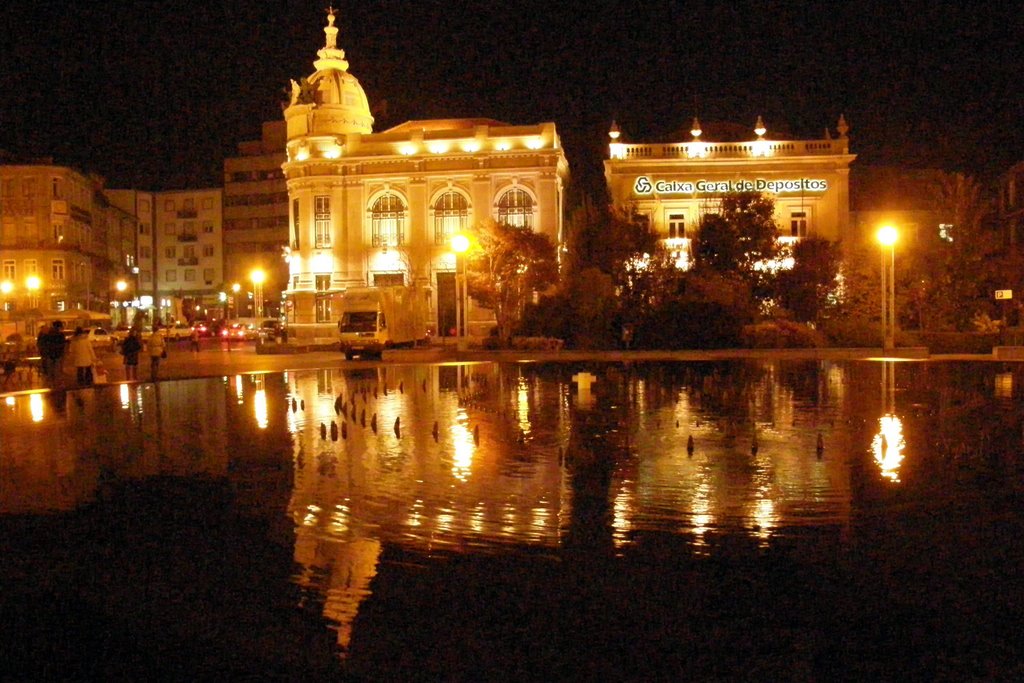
(373, 319)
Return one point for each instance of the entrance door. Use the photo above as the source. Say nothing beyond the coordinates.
(446, 317)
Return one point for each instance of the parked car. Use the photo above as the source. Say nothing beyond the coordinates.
(270, 330)
(178, 330)
(237, 332)
(98, 336)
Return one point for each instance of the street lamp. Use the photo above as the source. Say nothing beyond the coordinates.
(887, 237)
(234, 299)
(460, 245)
(257, 276)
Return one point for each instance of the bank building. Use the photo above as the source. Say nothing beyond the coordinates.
(674, 183)
(378, 209)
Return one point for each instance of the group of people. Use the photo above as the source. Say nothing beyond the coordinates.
(54, 347)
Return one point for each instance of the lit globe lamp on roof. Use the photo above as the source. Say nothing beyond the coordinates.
(616, 150)
(696, 149)
(760, 148)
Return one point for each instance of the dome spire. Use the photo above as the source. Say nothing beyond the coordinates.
(331, 56)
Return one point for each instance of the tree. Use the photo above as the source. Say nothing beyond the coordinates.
(806, 288)
(512, 264)
(739, 237)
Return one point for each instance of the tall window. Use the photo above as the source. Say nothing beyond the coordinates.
(58, 188)
(798, 224)
(57, 270)
(10, 270)
(323, 282)
(451, 213)
(676, 225)
(515, 208)
(387, 219)
(322, 221)
(207, 250)
(296, 241)
(31, 267)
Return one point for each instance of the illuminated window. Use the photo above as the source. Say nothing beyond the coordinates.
(322, 221)
(387, 220)
(57, 270)
(451, 213)
(10, 270)
(946, 231)
(515, 208)
(798, 224)
(31, 267)
(58, 232)
(676, 225)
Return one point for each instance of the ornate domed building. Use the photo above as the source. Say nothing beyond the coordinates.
(378, 209)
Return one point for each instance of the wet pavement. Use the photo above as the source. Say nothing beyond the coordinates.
(754, 519)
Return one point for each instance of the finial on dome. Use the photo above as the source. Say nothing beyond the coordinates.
(759, 128)
(842, 127)
(614, 131)
(695, 130)
(331, 30)
(331, 56)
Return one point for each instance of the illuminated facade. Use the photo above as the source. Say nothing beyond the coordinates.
(372, 209)
(256, 213)
(63, 246)
(675, 183)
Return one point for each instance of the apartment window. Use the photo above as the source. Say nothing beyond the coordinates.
(171, 275)
(170, 229)
(143, 228)
(145, 252)
(146, 276)
(676, 225)
(189, 251)
(946, 232)
(189, 204)
(207, 203)
(387, 219)
(28, 187)
(515, 208)
(58, 232)
(323, 309)
(208, 275)
(323, 282)
(57, 186)
(10, 270)
(57, 270)
(60, 305)
(798, 224)
(296, 242)
(31, 267)
(451, 213)
(190, 275)
(207, 250)
(168, 205)
(322, 221)
(170, 252)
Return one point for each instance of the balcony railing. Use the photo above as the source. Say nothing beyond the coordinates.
(388, 239)
(730, 150)
(188, 237)
(189, 261)
(187, 213)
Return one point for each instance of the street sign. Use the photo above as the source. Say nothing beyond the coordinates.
(1004, 294)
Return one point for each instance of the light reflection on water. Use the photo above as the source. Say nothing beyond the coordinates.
(481, 458)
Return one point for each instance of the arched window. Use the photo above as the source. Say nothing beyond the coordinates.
(387, 220)
(515, 208)
(451, 214)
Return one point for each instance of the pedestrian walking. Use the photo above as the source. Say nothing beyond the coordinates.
(193, 340)
(51, 345)
(157, 349)
(130, 349)
(82, 356)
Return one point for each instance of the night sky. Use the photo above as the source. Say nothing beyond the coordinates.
(154, 94)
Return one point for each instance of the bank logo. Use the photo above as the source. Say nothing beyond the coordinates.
(643, 185)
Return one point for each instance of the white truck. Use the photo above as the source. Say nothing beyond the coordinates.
(376, 318)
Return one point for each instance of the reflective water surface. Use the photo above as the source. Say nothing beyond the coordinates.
(381, 472)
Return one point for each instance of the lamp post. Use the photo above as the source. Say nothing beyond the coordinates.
(887, 237)
(257, 276)
(234, 299)
(460, 245)
(121, 286)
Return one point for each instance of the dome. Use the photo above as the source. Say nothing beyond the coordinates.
(333, 96)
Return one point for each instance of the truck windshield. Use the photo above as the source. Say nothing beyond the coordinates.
(360, 321)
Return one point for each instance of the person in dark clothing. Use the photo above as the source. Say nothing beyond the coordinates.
(130, 349)
(51, 344)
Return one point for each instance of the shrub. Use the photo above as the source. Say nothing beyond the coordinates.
(781, 334)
